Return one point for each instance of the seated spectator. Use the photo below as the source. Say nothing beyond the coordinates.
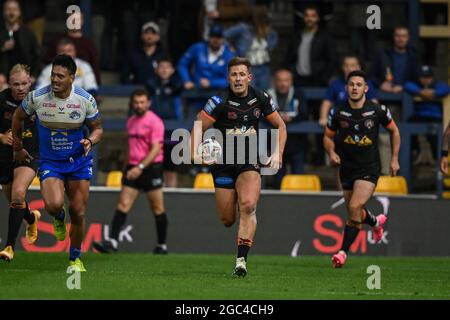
(395, 65)
(312, 53)
(336, 93)
(165, 90)
(84, 77)
(428, 108)
(208, 60)
(84, 46)
(18, 44)
(255, 41)
(3, 82)
(292, 108)
(140, 64)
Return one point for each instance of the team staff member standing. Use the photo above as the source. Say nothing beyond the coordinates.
(444, 155)
(143, 172)
(16, 177)
(354, 126)
(237, 186)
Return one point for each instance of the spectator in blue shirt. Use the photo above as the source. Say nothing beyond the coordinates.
(336, 93)
(395, 65)
(292, 109)
(208, 60)
(140, 64)
(165, 90)
(428, 108)
(255, 41)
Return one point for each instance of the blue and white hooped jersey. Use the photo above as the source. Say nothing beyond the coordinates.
(60, 121)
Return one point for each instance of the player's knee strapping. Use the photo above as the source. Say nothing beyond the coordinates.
(17, 204)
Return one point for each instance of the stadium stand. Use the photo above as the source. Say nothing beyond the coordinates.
(204, 181)
(114, 179)
(36, 182)
(301, 182)
(392, 185)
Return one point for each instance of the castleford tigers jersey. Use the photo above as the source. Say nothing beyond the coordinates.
(60, 121)
(29, 135)
(357, 132)
(238, 117)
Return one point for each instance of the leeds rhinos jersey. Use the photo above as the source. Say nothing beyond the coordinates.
(60, 121)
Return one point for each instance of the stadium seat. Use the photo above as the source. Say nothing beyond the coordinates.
(204, 181)
(392, 185)
(301, 182)
(114, 179)
(36, 182)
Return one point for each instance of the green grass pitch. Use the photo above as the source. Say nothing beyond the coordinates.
(188, 276)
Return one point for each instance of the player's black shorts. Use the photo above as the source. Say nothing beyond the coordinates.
(225, 175)
(349, 175)
(7, 169)
(150, 179)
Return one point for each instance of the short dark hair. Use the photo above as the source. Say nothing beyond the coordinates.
(164, 59)
(140, 92)
(400, 26)
(357, 73)
(236, 61)
(311, 7)
(65, 41)
(65, 61)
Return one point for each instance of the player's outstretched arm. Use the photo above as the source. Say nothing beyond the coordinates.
(20, 154)
(329, 146)
(395, 146)
(276, 160)
(444, 155)
(96, 133)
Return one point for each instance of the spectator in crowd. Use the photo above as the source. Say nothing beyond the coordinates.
(165, 90)
(428, 94)
(84, 77)
(336, 93)
(395, 65)
(255, 41)
(3, 82)
(84, 46)
(292, 109)
(313, 52)
(224, 12)
(208, 61)
(17, 43)
(140, 64)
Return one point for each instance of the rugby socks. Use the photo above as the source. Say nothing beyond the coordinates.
(16, 214)
(161, 228)
(74, 253)
(61, 215)
(350, 233)
(118, 221)
(369, 218)
(29, 217)
(244, 246)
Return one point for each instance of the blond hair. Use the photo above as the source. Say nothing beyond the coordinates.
(19, 68)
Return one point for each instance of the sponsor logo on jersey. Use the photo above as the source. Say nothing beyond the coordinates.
(74, 115)
(345, 114)
(232, 115)
(210, 106)
(224, 180)
(216, 99)
(61, 108)
(369, 124)
(72, 106)
(365, 141)
(349, 140)
(234, 103)
(344, 124)
(356, 126)
(27, 134)
(64, 133)
(245, 117)
(368, 113)
(48, 105)
(242, 131)
(48, 115)
(251, 102)
(257, 112)
(274, 106)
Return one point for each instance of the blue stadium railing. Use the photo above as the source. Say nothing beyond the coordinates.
(311, 93)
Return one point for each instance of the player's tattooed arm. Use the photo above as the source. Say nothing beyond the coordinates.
(96, 133)
(20, 154)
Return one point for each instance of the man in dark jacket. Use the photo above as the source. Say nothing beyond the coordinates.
(141, 63)
(18, 45)
(395, 65)
(313, 54)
